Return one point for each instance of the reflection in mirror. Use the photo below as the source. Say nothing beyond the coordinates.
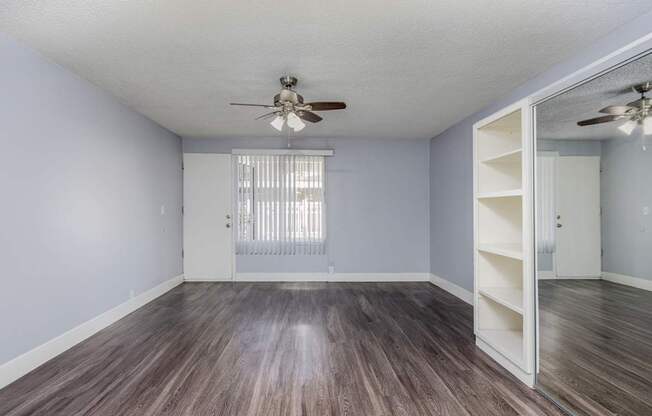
(594, 244)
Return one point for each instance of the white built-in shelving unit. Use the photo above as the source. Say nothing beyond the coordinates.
(503, 249)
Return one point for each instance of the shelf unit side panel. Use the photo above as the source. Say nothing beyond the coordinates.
(529, 292)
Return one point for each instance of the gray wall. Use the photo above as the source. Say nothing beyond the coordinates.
(446, 205)
(565, 148)
(571, 147)
(626, 188)
(451, 207)
(83, 178)
(377, 195)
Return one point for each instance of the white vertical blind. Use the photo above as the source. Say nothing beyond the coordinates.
(280, 204)
(546, 204)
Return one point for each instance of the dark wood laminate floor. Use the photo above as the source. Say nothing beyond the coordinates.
(596, 347)
(280, 349)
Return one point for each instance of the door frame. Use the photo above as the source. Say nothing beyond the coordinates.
(607, 63)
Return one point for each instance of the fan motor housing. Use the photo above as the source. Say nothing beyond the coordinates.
(287, 96)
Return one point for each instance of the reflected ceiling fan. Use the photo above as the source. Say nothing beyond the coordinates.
(637, 113)
(289, 107)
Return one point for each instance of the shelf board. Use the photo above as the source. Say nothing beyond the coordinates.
(514, 251)
(511, 298)
(500, 194)
(507, 342)
(513, 156)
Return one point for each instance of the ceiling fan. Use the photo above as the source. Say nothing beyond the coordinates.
(637, 112)
(289, 107)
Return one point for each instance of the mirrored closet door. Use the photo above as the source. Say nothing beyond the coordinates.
(594, 244)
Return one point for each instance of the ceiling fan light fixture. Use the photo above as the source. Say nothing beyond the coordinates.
(628, 127)
(299, 126)
(647, 126)
(295, 122)
(278, 122)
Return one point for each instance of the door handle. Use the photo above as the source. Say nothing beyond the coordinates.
(228, 225)
(559, 225)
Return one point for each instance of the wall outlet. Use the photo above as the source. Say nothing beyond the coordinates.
(331, 269)
(162, 209)
(646, 210)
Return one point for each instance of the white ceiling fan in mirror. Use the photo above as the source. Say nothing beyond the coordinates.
(637, 113)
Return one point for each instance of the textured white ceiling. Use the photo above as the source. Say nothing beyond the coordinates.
(407, 69)
(557, 118)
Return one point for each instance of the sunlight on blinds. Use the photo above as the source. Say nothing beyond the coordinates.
(280, 204)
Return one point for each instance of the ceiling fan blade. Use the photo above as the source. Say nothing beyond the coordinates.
(309, 116)
(598, 120)
(617, 110)
(266, 115)
(254, 105)
(327, 105)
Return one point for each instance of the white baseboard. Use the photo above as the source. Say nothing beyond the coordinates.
(332, 277)
(452, 288)
(636, 282)
(208, 280)
(546, 275)
(23, 364)
(578, 277)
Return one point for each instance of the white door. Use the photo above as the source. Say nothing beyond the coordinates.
(578, 209)
(207, 236)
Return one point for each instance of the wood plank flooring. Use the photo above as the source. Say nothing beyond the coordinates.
(596, 347)
(281, 349)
